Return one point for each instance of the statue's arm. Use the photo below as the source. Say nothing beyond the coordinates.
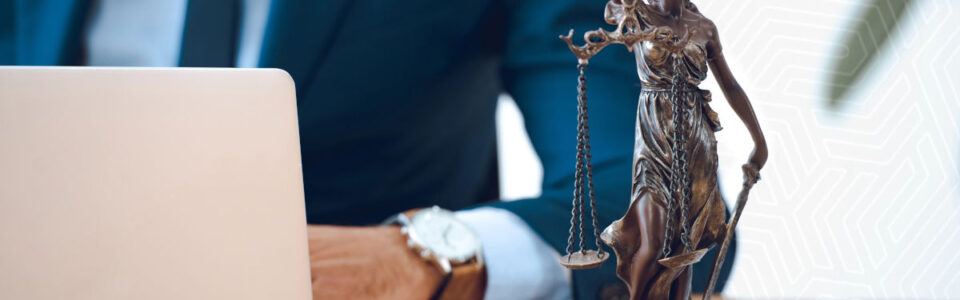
(596, 40)
(737, 99)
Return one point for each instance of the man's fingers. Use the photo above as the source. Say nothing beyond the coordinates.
(338, 264)
(331, 285)
(361, 263)
(325, 289)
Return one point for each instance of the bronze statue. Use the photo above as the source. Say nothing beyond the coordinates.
(676, 211)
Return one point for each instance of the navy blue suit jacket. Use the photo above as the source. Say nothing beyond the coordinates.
(396, 102)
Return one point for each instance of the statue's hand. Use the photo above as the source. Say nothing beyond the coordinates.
(613, 13)
(758, 158)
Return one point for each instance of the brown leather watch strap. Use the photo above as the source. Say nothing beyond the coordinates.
(466, 282)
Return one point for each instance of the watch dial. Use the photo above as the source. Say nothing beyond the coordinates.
(444, 235)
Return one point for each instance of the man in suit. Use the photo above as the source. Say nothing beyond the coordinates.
(396, 102)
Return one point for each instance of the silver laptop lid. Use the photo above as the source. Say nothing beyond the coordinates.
(133, 183)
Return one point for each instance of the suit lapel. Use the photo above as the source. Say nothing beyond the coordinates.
(299, 35)
(49, 32)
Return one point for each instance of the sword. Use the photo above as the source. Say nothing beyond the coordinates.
(750, 177)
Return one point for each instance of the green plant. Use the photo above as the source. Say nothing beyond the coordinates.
(877, 22)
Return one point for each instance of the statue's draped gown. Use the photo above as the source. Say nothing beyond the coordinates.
(653, 156)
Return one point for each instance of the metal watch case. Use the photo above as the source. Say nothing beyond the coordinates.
(416, 242)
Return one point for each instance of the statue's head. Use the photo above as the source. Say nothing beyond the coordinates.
(670, 7)
(663, 7)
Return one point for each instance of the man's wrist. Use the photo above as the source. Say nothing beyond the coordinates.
(424, 275)
(439, 240)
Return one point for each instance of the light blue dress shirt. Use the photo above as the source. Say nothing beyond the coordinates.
(520, 265)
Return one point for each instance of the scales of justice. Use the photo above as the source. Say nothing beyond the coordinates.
(676, 212)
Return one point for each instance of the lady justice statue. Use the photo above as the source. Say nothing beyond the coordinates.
(676, 211)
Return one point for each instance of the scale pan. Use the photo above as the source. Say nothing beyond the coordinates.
(584, 259)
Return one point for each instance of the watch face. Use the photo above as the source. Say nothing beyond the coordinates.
(443, 234)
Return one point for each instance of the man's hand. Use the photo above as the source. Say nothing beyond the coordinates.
(367, 263)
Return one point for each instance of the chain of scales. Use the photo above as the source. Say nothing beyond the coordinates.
(583, 182)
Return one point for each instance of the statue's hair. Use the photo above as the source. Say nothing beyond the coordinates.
(688, 4)
(692, 7)
(643, 10)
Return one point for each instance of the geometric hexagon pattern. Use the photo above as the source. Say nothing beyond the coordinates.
(858, 203)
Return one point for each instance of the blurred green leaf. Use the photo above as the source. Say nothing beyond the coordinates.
(877, 21)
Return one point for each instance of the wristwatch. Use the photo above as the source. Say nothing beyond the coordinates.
(437, 236)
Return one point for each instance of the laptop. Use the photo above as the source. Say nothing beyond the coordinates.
(140, 183)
